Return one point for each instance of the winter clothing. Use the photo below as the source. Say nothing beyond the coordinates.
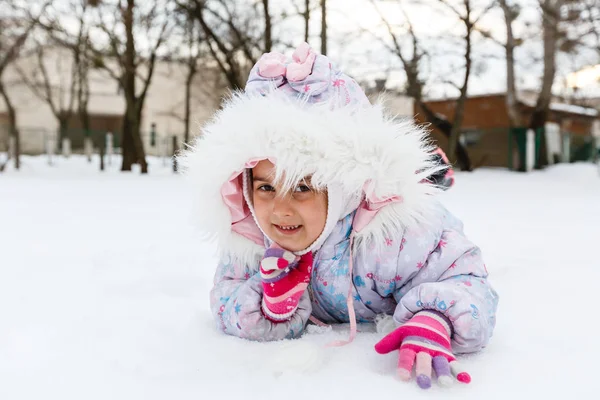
(284, 277)
(425, 338)
(388, 246)
(414, 269)
(444, 178)
(309, 76)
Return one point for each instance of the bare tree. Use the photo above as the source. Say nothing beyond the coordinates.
(469, 18)
(582, 25)
(57, 88)
(566, 27)
(324, 27)
(16, 25)
(591, 14)
(268, 28)
(233, 34)
(192, 66)
(414, 81)
(511, 11)
(305, 13)
(191, 58)
(130, 63)
(550, 11)
(83, 61)
(306, 16)
(76, 42)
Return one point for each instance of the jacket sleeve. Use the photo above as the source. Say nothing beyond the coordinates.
(451, 278)
(236, 305)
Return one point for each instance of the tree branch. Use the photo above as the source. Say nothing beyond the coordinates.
(458, 13)
(152, 59)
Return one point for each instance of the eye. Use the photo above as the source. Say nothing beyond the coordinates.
(266, 188)
(302, 189)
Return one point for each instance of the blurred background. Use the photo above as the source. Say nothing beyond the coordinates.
(503, 83)
(104, 277)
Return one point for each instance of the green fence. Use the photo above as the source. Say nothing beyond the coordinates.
(580, 147)
(517, 140)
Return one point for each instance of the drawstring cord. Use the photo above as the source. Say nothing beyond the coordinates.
(349, 304)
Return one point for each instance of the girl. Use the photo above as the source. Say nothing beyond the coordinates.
(323, 211)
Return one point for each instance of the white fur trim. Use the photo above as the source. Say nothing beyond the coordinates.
(348, 147)
(242, 250)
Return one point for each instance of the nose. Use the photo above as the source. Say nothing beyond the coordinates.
(282, 207)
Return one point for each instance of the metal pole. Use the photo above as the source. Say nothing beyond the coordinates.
(175, 153)
(109, 146)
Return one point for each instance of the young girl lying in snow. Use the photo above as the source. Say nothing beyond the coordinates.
(323, 210)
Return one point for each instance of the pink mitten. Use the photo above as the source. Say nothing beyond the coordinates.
(285, 277)
(426, 338)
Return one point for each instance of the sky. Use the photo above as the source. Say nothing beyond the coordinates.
(366, 57)
(357, 40)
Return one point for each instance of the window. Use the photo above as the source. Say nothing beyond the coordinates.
(470, 137)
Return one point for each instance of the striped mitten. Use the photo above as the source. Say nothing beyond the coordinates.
(426, 339)
(285, 277)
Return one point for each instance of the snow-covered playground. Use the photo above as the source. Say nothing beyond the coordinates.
(104, 294)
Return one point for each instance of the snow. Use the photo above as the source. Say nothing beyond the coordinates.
(574, 109)
(104, 294)
(562, 107)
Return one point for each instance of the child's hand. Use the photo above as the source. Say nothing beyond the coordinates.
(426, 338)
(285, 277)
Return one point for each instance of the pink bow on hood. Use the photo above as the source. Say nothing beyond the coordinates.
(308, 75)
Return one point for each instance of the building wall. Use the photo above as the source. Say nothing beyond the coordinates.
(486, 121)
(164, 104)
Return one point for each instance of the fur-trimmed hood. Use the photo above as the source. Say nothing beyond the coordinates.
(363, 150)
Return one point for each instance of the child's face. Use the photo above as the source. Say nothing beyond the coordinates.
(294, 220)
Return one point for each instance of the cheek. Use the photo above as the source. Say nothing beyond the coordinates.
(316, 214)
(261, 210)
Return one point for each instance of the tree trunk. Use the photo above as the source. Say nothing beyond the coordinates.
(306, 19)
(415, 90)
(268, 39)
(459, 111)
(137, 138)
(324, 27)
(83, 98)
(63, 126)
(444, 126)
(12, 125)
(550, 19)
(188, 96)
(84, 117)
(128, 148)
(132, 144)
(17, 155)
(512, 105)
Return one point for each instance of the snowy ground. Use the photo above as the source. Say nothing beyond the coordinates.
(104, 294)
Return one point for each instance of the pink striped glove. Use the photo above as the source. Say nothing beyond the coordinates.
(426, 339)
(285, 277)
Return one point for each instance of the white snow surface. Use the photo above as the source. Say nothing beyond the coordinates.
(104, 295)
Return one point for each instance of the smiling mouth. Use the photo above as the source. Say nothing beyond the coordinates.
(288, 229)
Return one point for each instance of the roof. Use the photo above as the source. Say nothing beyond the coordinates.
(528, 101)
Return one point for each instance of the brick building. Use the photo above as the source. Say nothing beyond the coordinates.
(485, 129)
